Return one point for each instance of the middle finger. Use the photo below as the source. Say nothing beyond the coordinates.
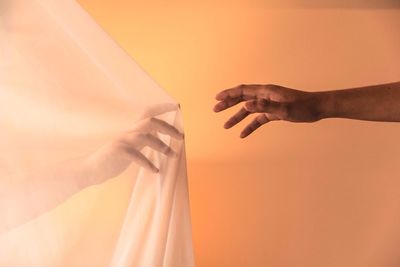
(238, 117)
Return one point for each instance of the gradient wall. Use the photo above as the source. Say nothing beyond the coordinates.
(323, 194)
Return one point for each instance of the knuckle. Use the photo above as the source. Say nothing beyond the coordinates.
(248, 105)
(260, 105)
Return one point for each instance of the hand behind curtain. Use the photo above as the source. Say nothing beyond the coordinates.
(25, 196)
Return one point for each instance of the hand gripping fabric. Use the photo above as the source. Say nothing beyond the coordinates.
(70, 101)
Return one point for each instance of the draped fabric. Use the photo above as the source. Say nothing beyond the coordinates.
(66, 90)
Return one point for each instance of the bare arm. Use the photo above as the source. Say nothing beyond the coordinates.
(373, 103)
(26, 195)
(274, 102)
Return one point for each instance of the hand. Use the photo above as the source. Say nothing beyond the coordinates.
(37, 191)
(114, 157)
(273, 102)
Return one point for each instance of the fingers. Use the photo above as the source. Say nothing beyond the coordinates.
(154, 124)
(256, 105)
(151, 141)
(254, 125)
(233, 96)
(165, 128)
(234, 92)
(141, 160)
(230, 102)
(230, 97)
(245, 91)
(141, 136)
(159, 145)
(274, 109)
(238, 117)
(266, 106)
(258, 101)
(227, 103)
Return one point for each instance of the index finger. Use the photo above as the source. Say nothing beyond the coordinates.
(243, 90)
(154, 124)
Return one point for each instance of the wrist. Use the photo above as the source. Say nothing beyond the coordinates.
(326, 104)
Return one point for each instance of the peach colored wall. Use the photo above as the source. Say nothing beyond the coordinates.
(326, 194)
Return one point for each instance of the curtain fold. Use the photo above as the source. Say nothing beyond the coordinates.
(66, 198)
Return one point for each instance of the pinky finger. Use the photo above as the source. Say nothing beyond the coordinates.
(141, 160)
(254, 125)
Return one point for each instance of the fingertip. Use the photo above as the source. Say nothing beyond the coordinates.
(152, 168)
(227, 125)
(244, 134)
(219, 107)
(178, 136)
(181, 136)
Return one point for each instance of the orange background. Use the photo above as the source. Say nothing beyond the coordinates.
(326, 194)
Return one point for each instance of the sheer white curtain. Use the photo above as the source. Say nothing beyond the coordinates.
(67, 198)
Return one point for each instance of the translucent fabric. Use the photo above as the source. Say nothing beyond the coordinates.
(71, 192)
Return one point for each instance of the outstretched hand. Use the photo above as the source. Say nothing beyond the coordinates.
(270, 102)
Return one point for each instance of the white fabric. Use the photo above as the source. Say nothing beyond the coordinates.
(65, 90)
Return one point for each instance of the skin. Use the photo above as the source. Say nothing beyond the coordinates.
(274, 102)
(40, 190)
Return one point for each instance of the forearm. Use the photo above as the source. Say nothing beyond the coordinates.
(373, 103)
